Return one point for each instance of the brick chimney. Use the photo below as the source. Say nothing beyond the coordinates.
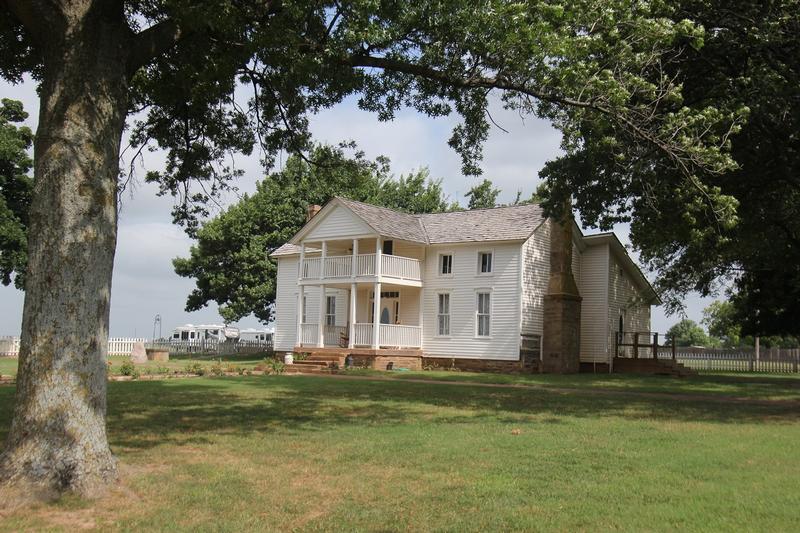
(561, 335)
(312, 210)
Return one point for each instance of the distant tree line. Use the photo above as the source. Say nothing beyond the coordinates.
(723, 330)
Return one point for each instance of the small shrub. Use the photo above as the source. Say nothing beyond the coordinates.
(195, 368)
(127, 368)
(274, 367)
(216, 368)
(301, 356)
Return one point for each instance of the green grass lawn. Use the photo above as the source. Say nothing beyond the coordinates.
(315, 453)
(747, 386)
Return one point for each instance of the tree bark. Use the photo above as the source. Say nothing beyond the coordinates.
(58, 433)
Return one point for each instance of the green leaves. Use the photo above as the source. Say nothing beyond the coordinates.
(15, 191)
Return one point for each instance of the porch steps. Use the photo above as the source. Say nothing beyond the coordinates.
(316, 364)
(667, 367)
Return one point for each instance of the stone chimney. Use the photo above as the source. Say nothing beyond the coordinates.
(561, 335)
(312, 210)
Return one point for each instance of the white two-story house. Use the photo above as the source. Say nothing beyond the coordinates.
(455, 289)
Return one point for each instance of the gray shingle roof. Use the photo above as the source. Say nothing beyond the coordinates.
(388, 222)
(497, 224)
(510, 223)
(291, 249)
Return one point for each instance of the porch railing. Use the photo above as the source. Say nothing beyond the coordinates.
(396, 266)
(338, 266)
(400, 336)
(362, 335)
(333, 335)
(365, 265)
(341, 266)
(309, 334)
(311, 268)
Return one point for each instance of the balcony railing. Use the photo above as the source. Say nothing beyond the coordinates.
(341, 266)
(395, 266)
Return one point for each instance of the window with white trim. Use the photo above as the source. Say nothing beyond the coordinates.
(330, 311)
(445, 264)
(484, 262)
(484, 314)
(443, 315)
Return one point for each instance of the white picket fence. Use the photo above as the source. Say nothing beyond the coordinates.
(9, 346)
(122, 345)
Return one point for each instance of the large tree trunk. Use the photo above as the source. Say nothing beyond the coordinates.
(58, 433)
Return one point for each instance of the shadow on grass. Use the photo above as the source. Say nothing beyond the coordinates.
(144, 414)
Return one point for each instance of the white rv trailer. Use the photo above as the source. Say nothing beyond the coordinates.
(217, 332)
(256, 335)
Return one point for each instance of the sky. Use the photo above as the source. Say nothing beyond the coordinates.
(144, 283)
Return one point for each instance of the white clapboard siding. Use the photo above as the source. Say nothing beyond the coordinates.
(594, 306)
(286, 304)
(338, 223)
(623, 295)
(535, 277)
(462, 286)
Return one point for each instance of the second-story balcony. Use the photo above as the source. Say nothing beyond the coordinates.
(343, 267)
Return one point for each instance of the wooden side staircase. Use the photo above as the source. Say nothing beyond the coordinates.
(663, 367)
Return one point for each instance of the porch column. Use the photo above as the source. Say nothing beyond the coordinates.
(300, 270)
(378, 251)
(421, 303)
(321, 328)
(352, 333)
(354, 266)
(376, 317)
(322, 263)
(299, 341)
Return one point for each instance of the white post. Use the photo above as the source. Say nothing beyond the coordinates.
(421, 302)
(376, 316)
(352, 334)
(321, 323)
(355, 259)
(302, 260)
(322, 264)
(378, 252)
(758, 349)
(299, 316)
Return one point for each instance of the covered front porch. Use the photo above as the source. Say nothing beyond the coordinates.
(345, 316)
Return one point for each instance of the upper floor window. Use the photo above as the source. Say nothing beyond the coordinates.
(484, 262)
(388, 247)
(330, 311)
(446, 264)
